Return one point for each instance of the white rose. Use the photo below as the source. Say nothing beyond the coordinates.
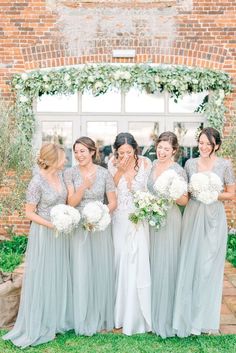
(66, 77)
(23, 99)
(152, 223)
(45, 78)
(98, 85)
(24, 76)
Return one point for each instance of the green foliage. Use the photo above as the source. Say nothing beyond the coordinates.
(117, 343)
(177, 80)
(12, 252)
(15, 161)
(228, 148)
(231, 249)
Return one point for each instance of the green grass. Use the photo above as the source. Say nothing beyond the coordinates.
(118, 343)
(231, 249)
(12, 252)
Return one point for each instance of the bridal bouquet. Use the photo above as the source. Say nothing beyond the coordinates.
(170, 185)
(205, 187)
(96, 216)
(149, 208)
(64, 218)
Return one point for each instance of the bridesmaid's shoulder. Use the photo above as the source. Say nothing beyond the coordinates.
(102, 170)
(178, 167)
(70, 170)
(35, 181)
(224, 161)
(191, 161)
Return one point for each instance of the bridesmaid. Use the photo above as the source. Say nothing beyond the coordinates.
(46, 302)
(131, 243)
(203, 248)
(165, 242)
(91, 253)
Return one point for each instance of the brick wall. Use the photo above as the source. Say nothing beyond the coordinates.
(55, 33)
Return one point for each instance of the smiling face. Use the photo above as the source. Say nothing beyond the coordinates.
(164, 151)
(82, 154)
(125, 151)
(205, 146)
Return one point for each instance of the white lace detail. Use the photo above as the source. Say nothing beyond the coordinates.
(124, 194)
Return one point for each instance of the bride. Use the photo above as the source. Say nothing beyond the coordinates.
(131, 242)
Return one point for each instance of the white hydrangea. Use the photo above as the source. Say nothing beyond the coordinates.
(205, 187)
(170, 185)
(96, 216)
(64, 218)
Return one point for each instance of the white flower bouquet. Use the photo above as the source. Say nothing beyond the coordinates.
(149, 208)
(96, 216)
(205, 187)
(64, 218)
(170, 185)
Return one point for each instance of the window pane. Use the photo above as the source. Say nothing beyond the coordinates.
(187, 104)
(57, 103)
(187, 137)
(108, 102)
(145, 133)
(142, 102)
(61, 133)
(103, 133)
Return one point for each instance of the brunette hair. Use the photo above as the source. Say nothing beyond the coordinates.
(49, 155)
(213, 136)
(170, 137)
(89, 143)
(126, 138)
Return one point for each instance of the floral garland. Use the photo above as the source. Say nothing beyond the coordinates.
(177, 80)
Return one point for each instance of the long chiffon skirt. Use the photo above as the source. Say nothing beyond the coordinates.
(92, 267)
(200, 278)
(103, 278)
(46, 298)
(133, 280)
(164, 257)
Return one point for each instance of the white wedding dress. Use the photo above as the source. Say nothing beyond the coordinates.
(131, 243)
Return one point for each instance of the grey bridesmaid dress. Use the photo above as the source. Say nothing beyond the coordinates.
(203, 248)
(92, 262)
(164, 257)
(46, 298)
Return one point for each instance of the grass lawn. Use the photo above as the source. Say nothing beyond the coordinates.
(118, 343)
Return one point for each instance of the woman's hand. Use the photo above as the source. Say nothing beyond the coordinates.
(89, 180)
(123, 164)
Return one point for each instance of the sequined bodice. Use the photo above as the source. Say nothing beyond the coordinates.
(222, 167)
(102, 184)
(41, 193)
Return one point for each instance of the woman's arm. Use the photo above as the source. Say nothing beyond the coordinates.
(75, 196)
(228, 193)
(32, 216)
(183, 200)
(112, 201)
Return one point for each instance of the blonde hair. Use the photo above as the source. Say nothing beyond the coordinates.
(49, 155)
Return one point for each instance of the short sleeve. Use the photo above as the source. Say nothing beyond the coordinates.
(229, 177)
(110, 185)
(34, 191)
(187, 169)
(182, 173)
(68, 177)
(112, 169)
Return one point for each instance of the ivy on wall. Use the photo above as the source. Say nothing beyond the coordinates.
(177, 80)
